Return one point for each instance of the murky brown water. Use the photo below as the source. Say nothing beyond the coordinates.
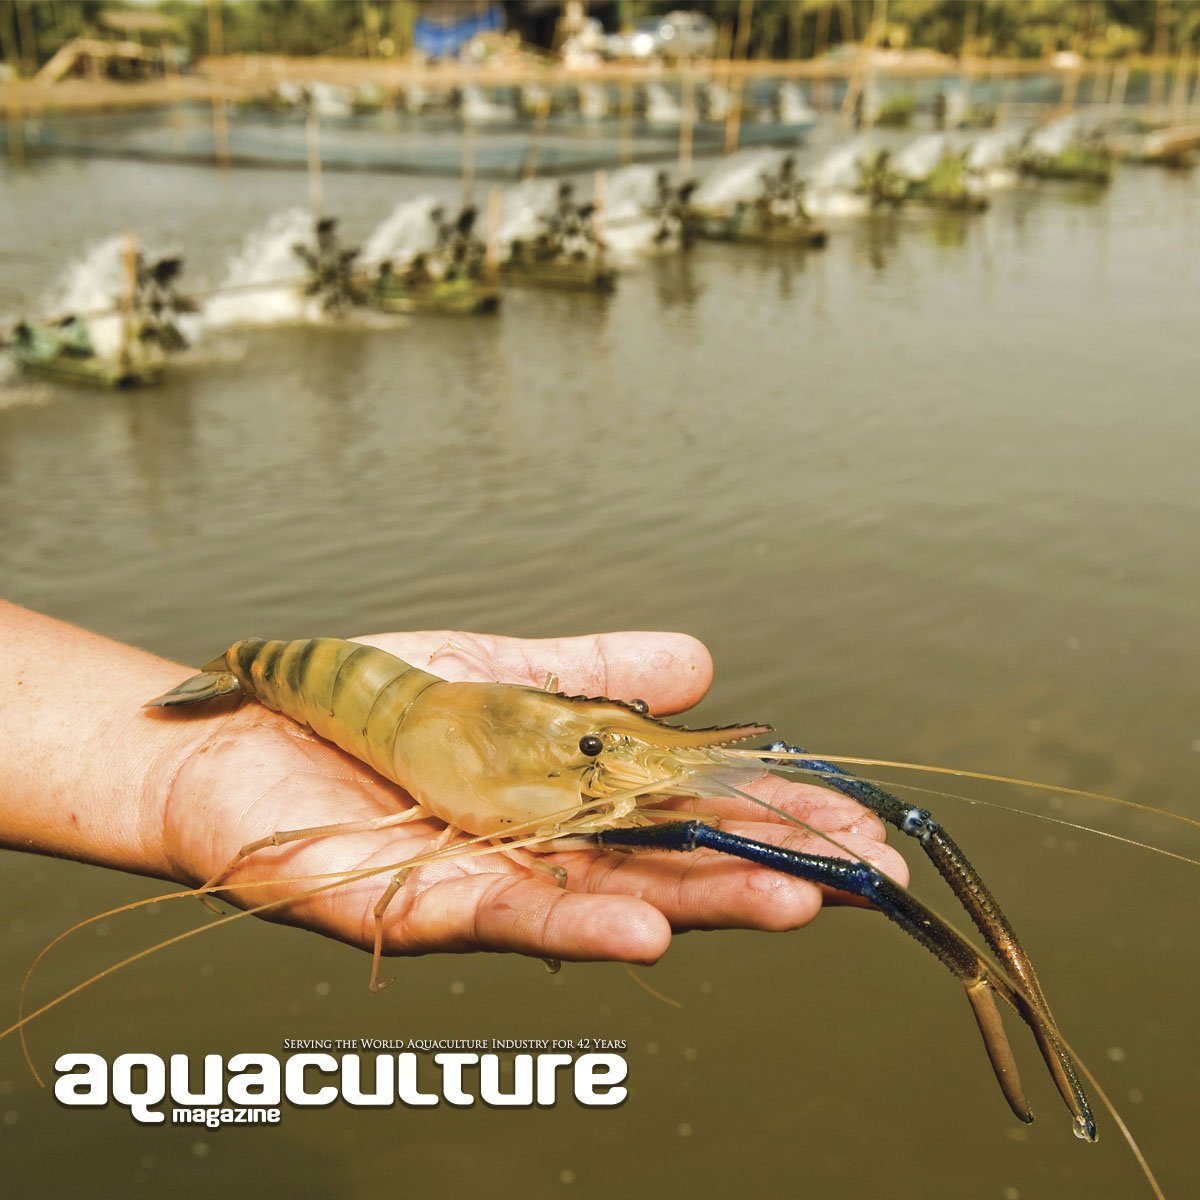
(929, 495)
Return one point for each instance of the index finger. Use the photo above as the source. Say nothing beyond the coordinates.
(670, 671)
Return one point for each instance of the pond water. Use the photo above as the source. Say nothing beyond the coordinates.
(930, 495)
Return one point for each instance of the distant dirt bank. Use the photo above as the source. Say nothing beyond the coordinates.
(245, 77)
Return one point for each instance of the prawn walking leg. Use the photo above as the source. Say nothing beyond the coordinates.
(381, 907)
(282, 837)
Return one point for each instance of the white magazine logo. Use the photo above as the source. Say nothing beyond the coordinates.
(250, 1088)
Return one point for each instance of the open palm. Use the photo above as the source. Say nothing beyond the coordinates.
(258, 772)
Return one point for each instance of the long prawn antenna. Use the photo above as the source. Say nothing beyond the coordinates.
(834, 766)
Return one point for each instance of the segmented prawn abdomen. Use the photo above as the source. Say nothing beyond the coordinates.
(353, 695)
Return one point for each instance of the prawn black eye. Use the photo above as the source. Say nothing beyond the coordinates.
(590, 745)
(639, 706)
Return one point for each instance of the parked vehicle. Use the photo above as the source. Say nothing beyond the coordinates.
(677, 35)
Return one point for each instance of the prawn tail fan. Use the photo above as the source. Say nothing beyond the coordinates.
(208, 685)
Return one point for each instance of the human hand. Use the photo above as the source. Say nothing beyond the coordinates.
(257, 772)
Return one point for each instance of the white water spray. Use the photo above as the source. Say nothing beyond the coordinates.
(831, 193)
(1053, 138)
(661, 106)
(991, 157)
(480, 109)
(737, 178)
(919, 158)
(264, 282)
(629, 226)
(524, 208)
(793, 108)
(92, 287)
(407, 231)
(593, 101)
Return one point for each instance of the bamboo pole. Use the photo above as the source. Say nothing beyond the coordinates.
(1120, 83)
(129, 264)
(967, 58)
(28, 39)
(877, 31)
(10, 42)
(795, 26)
(856, 83)
(530, 168)
(312, 140)
(626, 121)
(687, 117)
(723, 52)
(1102, 85)
(1179, 85)
(861, 83)
(16, 129)
(468, 171)
(493, 231)
(733, 122)
(220, 119)
(1083, 40)
(599, 196)
(1161, 47)
(847, 21)
(1071, 87)
(370, 22)
(16, 123)
(1004, 109)
(820, 45)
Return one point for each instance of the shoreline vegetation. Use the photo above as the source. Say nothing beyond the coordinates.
(92, 55)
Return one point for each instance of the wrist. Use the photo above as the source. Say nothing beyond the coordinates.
(143, 761)
(84, 772)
